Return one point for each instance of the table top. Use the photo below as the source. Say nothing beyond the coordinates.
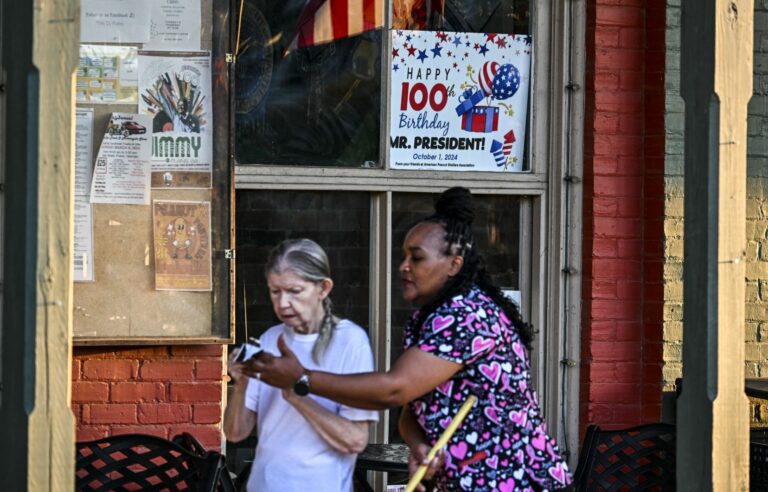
(756, 388)
(384, 457)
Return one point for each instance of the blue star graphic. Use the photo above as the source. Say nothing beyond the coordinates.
(436, 51)
(483, 50)
(457, 40)
(422, 55)
(408, 37)
(395, 67)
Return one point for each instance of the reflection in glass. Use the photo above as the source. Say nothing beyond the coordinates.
(338, 221)
(489, 16)
(497, 232)
(317, 105)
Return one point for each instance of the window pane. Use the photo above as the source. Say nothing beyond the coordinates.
(497, 232)
(314, 105)
(339, 222)
(492, 16)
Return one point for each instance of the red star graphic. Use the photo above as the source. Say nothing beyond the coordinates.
(411, 50)
(450, 54)
(443, 36)
(501, 42)
(395, 53)
(455, 65)
(491, 36)
(476, 46)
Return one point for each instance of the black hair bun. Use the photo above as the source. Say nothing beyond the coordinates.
(456, 203)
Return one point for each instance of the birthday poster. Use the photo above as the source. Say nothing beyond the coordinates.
(459, 101)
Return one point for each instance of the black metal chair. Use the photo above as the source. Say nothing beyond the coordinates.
(635, 459)
(758, 460)
(144, 462)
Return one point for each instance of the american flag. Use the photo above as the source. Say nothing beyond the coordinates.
(323, 21)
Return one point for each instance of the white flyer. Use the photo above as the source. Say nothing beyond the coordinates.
(83, 241)
(122, 170)
(107, 74)
(83, 150)
(174, 25)
(175, 90)
(114, 21)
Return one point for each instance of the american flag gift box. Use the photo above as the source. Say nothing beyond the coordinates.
(481, 119)
(468, 100)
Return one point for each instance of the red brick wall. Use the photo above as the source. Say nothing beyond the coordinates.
(623, 213)
(161, 390)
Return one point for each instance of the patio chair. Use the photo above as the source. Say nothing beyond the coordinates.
(144, 462)
(636, 459)
(758, 460)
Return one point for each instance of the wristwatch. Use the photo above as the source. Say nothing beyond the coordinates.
(301, 386)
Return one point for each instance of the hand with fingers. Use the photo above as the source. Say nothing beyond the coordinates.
(280, 372)
(236, 370)
(418, 457)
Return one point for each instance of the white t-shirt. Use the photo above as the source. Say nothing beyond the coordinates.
(291, 455)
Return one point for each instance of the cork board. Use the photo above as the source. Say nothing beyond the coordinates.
(122, 304)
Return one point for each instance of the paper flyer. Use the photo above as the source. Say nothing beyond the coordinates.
(83, 150)
(121, 172)
(182, 239)
(175, 93)
(107, 75)
(114, 21)
(83, 240)
(174, 25)
(459, 101)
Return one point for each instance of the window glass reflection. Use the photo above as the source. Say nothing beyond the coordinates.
(309, 105)
(497, 232)
(337, 221)
(492, 16)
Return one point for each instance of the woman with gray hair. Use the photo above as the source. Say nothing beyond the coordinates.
(303, 440)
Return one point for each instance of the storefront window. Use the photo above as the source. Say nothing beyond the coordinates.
(493, 16)
(301, 103)
(497, 232)
(338, 221)
(444, 93)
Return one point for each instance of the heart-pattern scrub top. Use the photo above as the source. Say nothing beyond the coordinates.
(503, 444)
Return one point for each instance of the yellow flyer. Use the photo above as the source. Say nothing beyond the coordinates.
(182, 237)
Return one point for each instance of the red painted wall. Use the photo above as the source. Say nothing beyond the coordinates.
(160, 390)
(623, 213)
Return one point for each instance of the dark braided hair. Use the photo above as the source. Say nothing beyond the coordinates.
(455, 212)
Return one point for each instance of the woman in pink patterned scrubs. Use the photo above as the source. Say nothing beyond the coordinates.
(466, 339)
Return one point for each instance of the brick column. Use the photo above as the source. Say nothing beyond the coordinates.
(623, 214)
(161, 391)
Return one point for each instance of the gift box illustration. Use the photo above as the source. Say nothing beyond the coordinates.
(481, 119)
(468, 100)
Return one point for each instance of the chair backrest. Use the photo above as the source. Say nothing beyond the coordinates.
(144, 462)
(758, 460)
(635, 459)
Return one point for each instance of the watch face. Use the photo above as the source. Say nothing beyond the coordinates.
(301, 387)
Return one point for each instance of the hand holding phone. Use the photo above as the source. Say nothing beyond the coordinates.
(247, 350)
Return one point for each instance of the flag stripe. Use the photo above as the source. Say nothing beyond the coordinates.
(355, 13)
(322, 21)
(324, 24)
(340, 17)
(369, 14)
(305, 28)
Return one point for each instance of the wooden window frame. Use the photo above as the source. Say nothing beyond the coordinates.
(550, 217)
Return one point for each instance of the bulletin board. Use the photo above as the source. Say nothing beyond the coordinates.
(154, 238)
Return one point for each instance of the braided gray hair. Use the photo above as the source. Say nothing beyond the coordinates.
(308, 260)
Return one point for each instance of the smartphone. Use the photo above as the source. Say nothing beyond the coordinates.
(248, 350)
